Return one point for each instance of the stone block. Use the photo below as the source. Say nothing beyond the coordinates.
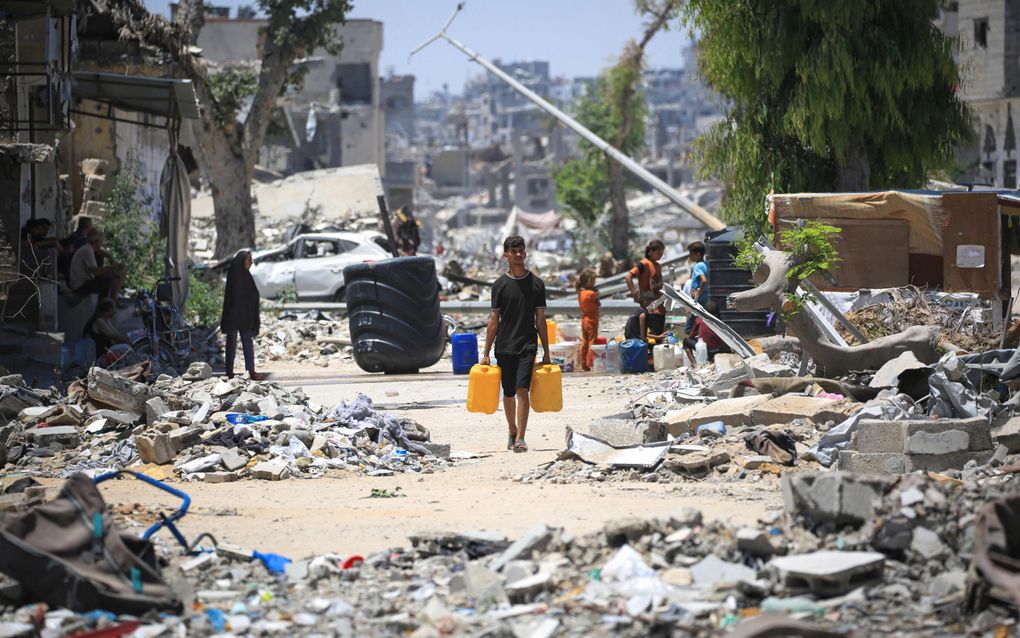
(872, 462)
(198, 371)
(274, 470)
(788, 407)
(943, 462)
(976, 429)
(155, 448)
(1008, 434)
(233, 460)
(678, 422)
(880, 437)
(220, 477)
(181, 438)
(64, 435)
(154, 409)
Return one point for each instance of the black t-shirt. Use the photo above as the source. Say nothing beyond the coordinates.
(655, 324)
(516, 300)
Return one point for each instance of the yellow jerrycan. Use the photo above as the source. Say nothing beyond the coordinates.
(483, 389)
(547, 388)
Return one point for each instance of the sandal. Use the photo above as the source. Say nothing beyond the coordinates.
(511, 437)
(520, 446)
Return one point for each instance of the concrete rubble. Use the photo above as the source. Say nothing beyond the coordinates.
(200, 427)
(833, 565)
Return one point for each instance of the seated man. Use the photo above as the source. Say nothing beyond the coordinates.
(646, 324)
(86, 276)
(700, 329)
(100, 327)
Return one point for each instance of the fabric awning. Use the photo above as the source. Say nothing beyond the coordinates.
(168, 97)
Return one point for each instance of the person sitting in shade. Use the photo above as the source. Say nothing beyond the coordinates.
(700, 329)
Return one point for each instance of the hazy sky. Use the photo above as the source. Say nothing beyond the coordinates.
(577, 37)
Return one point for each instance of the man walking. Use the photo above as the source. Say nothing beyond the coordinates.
(517, 318)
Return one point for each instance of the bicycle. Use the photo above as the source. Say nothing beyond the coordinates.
(167, 341)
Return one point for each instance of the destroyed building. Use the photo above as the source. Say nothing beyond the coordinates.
(989, 46)
(336, 116)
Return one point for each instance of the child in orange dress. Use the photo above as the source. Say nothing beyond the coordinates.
(589, 302)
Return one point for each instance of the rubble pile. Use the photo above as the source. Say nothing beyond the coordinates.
(851, 554)
(315, 338)
(202, 428)
(964, 325)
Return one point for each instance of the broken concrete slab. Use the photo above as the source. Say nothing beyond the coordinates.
(871, 462)
(732, 412)
(788, 407)
(834, 497)
(829, 573)
(535, 540)
(220, 477)
(198, 371)
(155, 408)
(121, 393)
(712, 571)
(63, 435)
(698, 462)
(439, 450)
(274, 470)
(624, 430)
(754, 541)
(182, 437)
(1008, 434)
(232, 459)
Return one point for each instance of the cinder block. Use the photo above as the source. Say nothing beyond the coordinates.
(943, 462)
(977, 429)
(872, 462)
(880, 437)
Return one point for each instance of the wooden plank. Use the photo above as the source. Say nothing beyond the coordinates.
(972, 243)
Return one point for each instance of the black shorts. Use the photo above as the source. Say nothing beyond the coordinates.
(515, 371)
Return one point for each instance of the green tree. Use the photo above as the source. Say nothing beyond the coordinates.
(615, 110)
(229, 148)
(132, 237)
(850, 96)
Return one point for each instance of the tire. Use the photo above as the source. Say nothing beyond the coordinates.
(393, 310)
(167, 357)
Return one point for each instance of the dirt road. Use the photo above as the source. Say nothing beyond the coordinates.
(302, 517)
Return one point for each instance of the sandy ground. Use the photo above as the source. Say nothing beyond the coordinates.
(303, 517)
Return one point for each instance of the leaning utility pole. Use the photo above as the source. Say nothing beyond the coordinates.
(686, 203)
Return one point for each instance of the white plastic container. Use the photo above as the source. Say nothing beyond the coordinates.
(663, 357)
(701, 352)
(566, 355)
(598, 358)
(613, 356)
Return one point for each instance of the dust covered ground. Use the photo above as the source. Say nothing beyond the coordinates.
(303, 517)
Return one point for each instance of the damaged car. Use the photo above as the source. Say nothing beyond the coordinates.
(313, 264)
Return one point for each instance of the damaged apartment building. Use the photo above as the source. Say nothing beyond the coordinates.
(76, 103)
(335, 118)
(989, 56)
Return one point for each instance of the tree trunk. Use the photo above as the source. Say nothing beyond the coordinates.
(621, 216)
(854, 172)
(231, 181)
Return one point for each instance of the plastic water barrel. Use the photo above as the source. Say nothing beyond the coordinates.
(547, 389)
(464, 351)
(633, 356)
(393, 309)
(483, 389)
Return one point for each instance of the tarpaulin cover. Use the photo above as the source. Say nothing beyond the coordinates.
(922, 212)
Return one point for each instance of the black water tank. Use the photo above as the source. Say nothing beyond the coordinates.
(393, 309)
(724, 279)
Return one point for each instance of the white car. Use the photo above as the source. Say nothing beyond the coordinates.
(313, 264)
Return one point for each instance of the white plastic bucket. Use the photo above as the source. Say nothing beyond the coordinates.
(565, 355)
(598, 358)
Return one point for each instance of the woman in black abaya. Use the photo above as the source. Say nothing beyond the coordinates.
(241, 314)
